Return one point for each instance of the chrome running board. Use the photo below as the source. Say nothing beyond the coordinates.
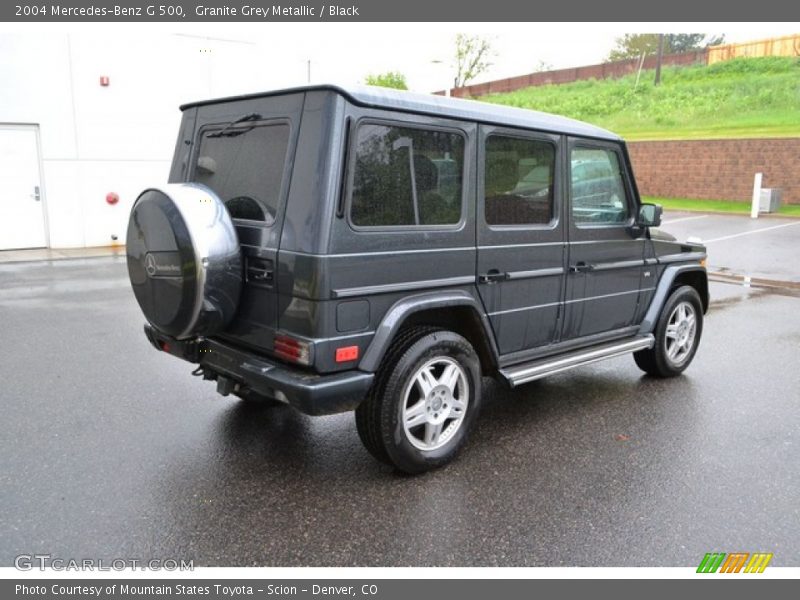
(533, 370)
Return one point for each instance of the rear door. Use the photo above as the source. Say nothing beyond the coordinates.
(520, 236)
(606, 259)
(243, 151)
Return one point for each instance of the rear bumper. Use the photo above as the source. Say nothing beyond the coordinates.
(239, 370)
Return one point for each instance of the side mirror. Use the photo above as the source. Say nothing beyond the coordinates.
(649, 215)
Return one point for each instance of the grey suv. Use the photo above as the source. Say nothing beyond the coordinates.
(337, 249)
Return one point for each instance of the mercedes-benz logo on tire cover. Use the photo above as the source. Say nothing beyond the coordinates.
(150, 265)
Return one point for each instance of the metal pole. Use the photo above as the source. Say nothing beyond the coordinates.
(639, 72)
(308, 70)
(756, 196)
(659, 56)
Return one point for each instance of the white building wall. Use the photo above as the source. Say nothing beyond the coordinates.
(120, 138)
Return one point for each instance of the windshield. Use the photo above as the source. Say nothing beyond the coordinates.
(244, 165)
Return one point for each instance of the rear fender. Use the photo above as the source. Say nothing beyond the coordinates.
(397, 315)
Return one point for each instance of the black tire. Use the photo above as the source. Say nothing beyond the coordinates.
(446, 413)
(658, 361)
(368, 412)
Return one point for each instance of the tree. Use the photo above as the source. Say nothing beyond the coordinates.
(632, 45)
(472, 57)
(684, 42)
(390, 79)
(688, 42)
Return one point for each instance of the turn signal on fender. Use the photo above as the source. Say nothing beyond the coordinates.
(346, 354)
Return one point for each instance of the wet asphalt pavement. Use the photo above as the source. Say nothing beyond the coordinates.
(113, 450)
(765, 247)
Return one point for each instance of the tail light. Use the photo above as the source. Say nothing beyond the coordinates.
(292, 350)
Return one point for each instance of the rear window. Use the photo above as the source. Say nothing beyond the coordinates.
(406, 177)
(244, 165)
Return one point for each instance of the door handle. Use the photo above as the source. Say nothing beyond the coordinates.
(259, 270)
(259, 274)
(493, 276)
(581, 267)
(36, 194)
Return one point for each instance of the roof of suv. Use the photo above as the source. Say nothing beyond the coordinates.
(429, 104)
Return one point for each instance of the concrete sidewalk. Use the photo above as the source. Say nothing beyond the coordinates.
(49, 254)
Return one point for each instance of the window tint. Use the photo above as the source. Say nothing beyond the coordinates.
(406, 176)
(244, 166)
(518, 188)
(598, 192)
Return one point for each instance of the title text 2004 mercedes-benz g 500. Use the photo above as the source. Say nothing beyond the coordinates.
(340, 249)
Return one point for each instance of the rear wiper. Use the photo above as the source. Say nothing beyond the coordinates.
(226, 132)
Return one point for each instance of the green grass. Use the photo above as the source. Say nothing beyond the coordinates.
(748, 97)
(723, 206)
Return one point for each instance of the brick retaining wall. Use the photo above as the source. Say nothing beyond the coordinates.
(614, 69)
(717, 169)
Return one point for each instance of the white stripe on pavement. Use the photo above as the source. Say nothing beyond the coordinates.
(671, 221)
(736, 235)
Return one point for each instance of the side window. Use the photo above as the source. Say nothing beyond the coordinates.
(518, 181)
(597, 190)
(406, 177)
(244, 166)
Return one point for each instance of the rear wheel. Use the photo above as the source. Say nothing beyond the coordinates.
(677, 335)
(425, 400)
(368, 412)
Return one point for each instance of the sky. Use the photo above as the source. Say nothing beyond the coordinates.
(346, 53)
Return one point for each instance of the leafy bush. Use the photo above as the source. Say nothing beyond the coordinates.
(390, 79)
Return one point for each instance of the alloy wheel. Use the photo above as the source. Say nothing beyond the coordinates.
(435, 402)
(681, 333)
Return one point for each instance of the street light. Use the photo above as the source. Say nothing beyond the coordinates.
(437, 61)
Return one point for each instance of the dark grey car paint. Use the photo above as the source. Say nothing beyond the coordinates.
(335, 284)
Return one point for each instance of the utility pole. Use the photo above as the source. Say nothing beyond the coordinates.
(659, 56)
(443, 64)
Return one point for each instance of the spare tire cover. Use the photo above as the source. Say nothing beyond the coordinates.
(184, 260)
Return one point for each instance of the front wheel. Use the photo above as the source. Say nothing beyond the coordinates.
(677, 335)
(419, 413)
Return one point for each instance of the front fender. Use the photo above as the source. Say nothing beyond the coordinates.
(662, 292)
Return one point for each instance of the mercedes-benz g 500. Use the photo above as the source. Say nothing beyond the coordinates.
(338, 249)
